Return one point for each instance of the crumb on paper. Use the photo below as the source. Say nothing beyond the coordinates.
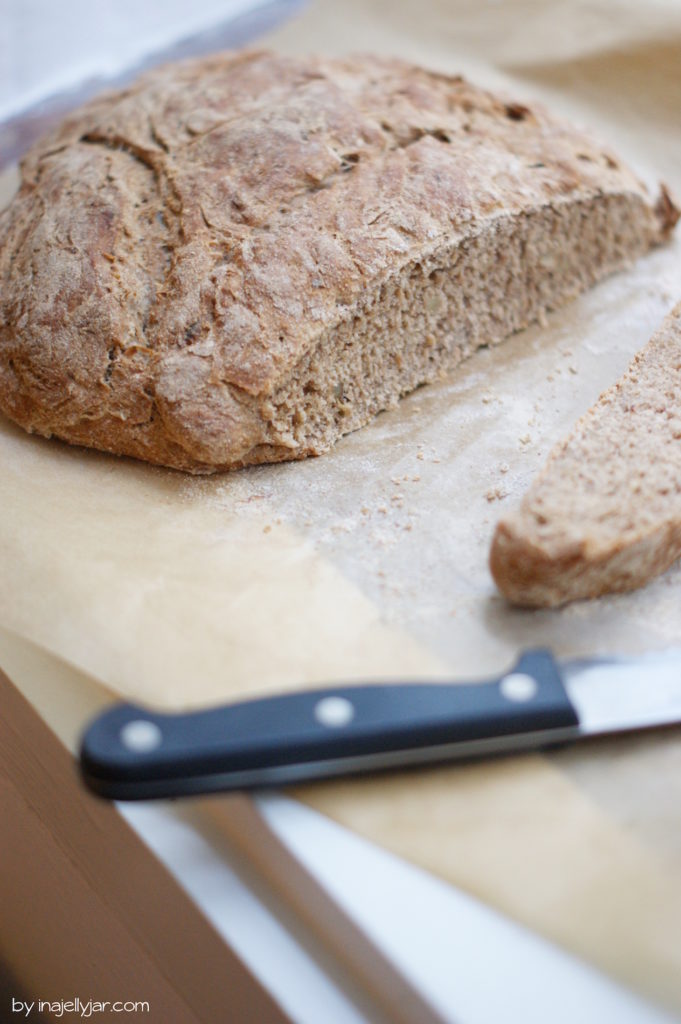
(267, 529)
(416, 478)
(497, 493)
(504, 467)
(572, 369)
(524, 439)
(420, 455)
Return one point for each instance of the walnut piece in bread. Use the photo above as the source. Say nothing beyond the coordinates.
(238, 259)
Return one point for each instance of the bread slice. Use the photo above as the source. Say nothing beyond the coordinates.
(238, 259)
(605, 513)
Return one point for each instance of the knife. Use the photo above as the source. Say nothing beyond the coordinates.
(131, 753)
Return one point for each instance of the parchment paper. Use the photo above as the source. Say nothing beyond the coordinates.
(372, 561)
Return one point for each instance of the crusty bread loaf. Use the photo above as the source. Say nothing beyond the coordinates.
(605, 513)
(239, 259)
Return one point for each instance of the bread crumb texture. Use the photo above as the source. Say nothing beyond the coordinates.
(605, 513)
(239, 259)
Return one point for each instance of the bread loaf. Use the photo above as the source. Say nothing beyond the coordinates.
(238, 259)
(605, 513)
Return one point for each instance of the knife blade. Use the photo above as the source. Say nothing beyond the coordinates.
(131, 753)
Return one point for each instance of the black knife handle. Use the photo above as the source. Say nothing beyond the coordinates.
(131, 753)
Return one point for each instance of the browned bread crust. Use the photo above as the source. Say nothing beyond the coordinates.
(605, 513)
(238, 259)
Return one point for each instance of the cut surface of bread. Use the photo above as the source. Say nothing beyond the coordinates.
(605, 513)
(239, 259)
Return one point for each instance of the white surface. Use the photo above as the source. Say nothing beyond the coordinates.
(289, 973)
(475, 966)
(48, 47)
